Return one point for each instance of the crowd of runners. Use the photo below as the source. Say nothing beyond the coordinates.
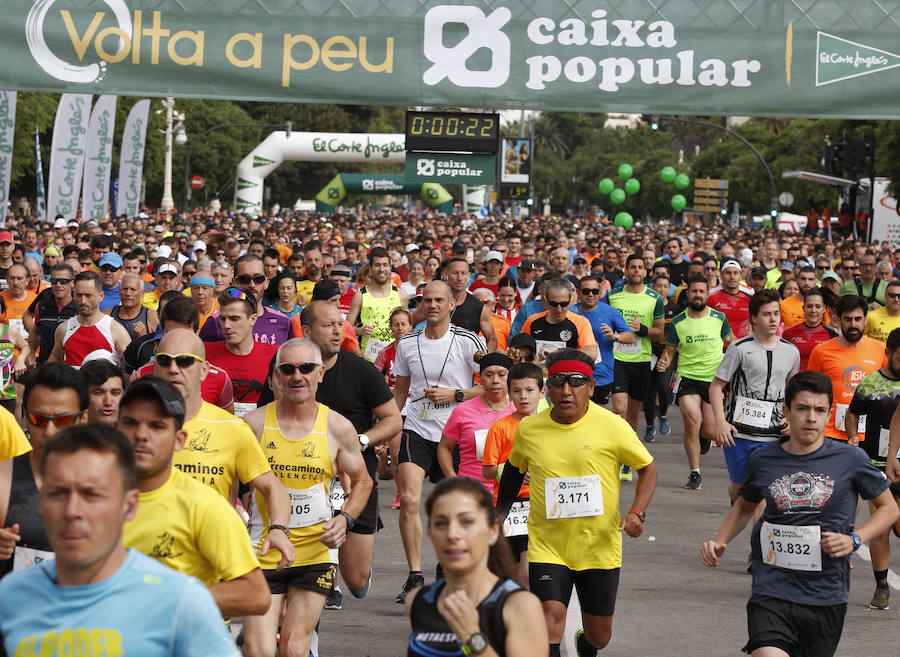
(198, 409)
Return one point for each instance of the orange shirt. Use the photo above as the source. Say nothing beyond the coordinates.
(501, 330)
(792, 312)
(284, 252)
(15, 309)
(846, 367)
(498, 445)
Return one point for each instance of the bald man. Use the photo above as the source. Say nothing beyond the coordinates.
(220, 449)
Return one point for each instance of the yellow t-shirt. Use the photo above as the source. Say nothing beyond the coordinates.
(192, 529)
(13, 442)
(597, 444)
(305, 287)
(305, 467)
(879, 324)
(219, 448)
(151, 300)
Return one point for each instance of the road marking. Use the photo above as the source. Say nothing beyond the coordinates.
(893, 578)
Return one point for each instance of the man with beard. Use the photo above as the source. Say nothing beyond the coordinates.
(312, 251)
(732, 298)
(847, 360)
(370, 310)
(792, 307)
(699, 334)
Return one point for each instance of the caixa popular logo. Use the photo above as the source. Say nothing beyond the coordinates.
(484, 31)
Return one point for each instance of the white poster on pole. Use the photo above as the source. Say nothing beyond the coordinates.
(98, 159)
(67, 154)
(131, 160)
(7, 134)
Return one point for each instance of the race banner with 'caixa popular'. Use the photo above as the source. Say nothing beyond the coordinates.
(766, 58)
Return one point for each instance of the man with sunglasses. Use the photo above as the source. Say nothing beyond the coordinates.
(609, 328)
(50, 309)
(574, 451)
(110, 273)
(558, 327)
(55, 396)
(307, 444)
(90, 329)
(881, 321)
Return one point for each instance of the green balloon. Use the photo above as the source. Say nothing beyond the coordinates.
(625, 171)
(678, 202)
(668, 174)
(682, 181)
(632, 186)
(617, 196)
(606, 186)
(624, 220)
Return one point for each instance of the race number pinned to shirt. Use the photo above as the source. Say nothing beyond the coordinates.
(336, 494)
(242, 408)
(373, 348)
(25, 557)
(433, 411)
(840, 419)
(884, 443)
(547, 347)
(753, 412)
(631, 348)
(573, 497)
(795, 547)
(480, 439)
(309, 506)
(516, 523)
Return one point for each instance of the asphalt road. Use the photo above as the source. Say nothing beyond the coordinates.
(668, 604)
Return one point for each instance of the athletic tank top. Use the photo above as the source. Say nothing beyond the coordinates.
(24, 508)
(377, 311)
(468, 315)
(305, 468)
(432, 636)
(80, 340)
(129, 323)
(7, 354)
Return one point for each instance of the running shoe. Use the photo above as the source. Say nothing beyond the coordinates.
(625, 473)
(664, 428)
(396, 504)
(582, 647)
(649, 434)
(335, 600)
(694, 482)
(705, 444)
(881, 599)
(413, 581)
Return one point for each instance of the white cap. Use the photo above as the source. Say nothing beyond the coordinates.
(493, 255)
(163, 251)
(732, 264)
(159, 228)
(167, 268)
(100, 354)
(59, 223)
(412, 247)
(199, 245)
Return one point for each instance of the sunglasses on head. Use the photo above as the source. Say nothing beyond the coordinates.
(246, 279)
(181, 360)
(60, 281)
(60, 420)
(559, 379)
(288, 369)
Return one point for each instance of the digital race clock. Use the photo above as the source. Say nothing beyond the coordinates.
(452, 131)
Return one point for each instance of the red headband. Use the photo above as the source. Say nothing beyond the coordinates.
(571, 366)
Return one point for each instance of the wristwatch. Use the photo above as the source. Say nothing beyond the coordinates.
(363, 441)
(475, 644)
(615, 336)
(351, 521)
(281, 527)
(459, 395)
(642, 515)
(857, 541)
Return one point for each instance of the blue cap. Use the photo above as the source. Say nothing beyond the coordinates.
(113, 259)
(198, 279)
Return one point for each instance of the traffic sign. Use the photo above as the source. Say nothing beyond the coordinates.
(197, 182)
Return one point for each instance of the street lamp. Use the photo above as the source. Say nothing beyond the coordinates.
(180, 137)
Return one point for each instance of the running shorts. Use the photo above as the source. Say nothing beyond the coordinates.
(596, 588)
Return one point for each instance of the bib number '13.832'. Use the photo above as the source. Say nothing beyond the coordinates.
(795, 547)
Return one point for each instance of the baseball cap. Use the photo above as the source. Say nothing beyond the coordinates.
(579, 257)
(153, 387)
(458, 247)
(158, 228)
(163, 251)
(199, 279)
(51, 250)
(167, 268)
(758, 271)
(113, 259)
(526, 265)
(494, 255)
(731, 264)
(340, 270)
(73, 222)
(787, 266)
(325, 290)
(523, 340)
(59, 223)
(6, 236)
(412, 247)
(830, 274)
(199, 245)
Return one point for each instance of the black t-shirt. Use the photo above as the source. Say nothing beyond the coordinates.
(678, 271)
(819, 488)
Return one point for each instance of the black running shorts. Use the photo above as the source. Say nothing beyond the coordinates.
(596, 588)
(632, 378)
(800, 630)
(317, 577)
(423, 453)
(693, 387)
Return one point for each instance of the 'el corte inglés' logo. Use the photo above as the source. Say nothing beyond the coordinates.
(841, 59)
(606, 52)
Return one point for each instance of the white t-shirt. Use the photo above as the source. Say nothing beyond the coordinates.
(444, 363)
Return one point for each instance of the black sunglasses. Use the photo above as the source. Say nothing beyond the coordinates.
(559, 379)
(288, 369)
(590, 290)
(181, 360)
(60, 281)
(109, 268)
(246, 279)
(557, 304)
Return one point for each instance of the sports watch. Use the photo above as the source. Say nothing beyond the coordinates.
(363, 441)
(350, 520)
(857, 541)
(642, 515)
(458, 396)
(475, 645)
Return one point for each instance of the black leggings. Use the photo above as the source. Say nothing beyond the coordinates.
(660, 393)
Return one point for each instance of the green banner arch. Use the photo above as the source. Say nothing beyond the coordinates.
(434, 195)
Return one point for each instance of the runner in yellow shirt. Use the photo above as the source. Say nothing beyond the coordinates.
(881, 321)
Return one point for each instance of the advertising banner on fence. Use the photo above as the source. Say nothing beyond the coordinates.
(7, 134)
(67, 154)
(772, 58)
(131, 160)
(98, 161)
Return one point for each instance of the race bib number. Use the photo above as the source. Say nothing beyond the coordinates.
(795, 547)
(19, 325)
(480, 438)
(884, 443)
(840, 419)
(516, 523)
(436, 412)
(753, 412)
(631, 348)
(573, 497)
(25, 557)
(336, 494)
(373, 348)
(242, 408)
(309, 506)
(653, 361)
(547, 347)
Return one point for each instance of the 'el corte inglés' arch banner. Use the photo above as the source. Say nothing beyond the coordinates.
(768, 57)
